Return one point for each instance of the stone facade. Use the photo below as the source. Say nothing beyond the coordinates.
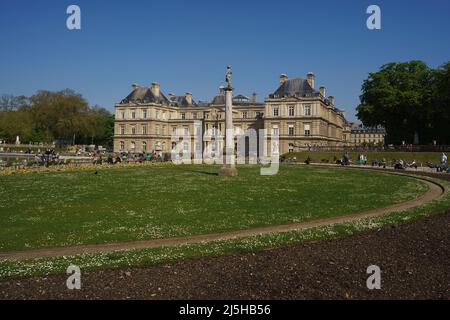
(302, 117)
(361, 135)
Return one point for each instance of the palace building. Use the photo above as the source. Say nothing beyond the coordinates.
(147, 120)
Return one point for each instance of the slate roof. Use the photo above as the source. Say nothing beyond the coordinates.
(145, 95)
(241, 97)
(181, 101)
(295, 87)
(237, 100)
(219, 99)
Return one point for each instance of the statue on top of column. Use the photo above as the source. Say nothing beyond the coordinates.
(228, 77)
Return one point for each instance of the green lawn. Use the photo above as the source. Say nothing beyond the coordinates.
(420, 157)
(59, 209)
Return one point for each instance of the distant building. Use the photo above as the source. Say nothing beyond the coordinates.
(301, 116)
(361, 135)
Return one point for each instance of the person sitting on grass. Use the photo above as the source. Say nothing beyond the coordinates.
(399, 165)
(308, 160)
(413, 164)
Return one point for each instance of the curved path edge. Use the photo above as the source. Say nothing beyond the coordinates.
(435, 191)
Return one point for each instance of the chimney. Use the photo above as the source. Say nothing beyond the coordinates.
(188, 97)
(283, 78)
(310, 78)
(331, 100)
(322, 91)
(254, 97)
(155, 89)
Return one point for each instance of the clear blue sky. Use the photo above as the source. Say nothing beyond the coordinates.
(186, 45)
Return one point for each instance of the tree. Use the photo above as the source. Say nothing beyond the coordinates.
(12, 103)
(48, 116)
(398, 97)
(440, 111)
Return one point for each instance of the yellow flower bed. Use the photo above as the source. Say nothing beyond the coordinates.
(83, 167)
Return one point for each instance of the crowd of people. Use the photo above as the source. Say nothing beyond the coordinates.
(398, 164)
(130, 158)
(48, 157)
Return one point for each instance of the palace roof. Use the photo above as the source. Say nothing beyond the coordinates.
(294, 87)
(145, 95)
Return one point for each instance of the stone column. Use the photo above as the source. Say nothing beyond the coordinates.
(229, 167)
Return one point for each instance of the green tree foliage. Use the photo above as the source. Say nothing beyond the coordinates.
(408, 99)
(49, 116)
(440, 114)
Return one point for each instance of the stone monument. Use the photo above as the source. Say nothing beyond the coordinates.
(229, 168)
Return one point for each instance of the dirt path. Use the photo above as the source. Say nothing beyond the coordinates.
(434, 191)
(414, 259)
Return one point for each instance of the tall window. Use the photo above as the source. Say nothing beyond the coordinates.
(122, 130)
(276, 111)
(133, 130)
(183, 116)
(186, 131)
(244, 114)
(122, 114)
(144, 146)
(133, 114)
(185, 146)
(144, 114)
(174, 131)
(307, 129)
(291, 147)
(291, 130)
(307, 110)
(194, 115)
(275, 130)
(157, 129)
(144, 129)
(291, 111)
(122, 145)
